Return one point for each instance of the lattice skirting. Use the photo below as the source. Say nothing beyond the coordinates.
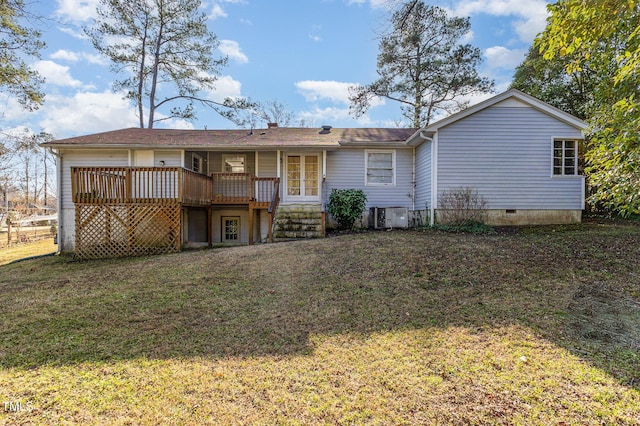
(118, 230)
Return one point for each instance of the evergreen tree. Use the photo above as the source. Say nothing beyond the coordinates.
(423, 66)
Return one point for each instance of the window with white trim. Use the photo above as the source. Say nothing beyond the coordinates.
(196, 163)
(565, 157)
(230, 228)
(232, 163)
(380, 167)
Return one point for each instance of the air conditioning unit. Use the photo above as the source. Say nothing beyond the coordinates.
(388, 217)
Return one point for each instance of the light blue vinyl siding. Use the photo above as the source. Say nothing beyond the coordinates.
(87, 158)
(506, 154)
(170, 158)
(345, 170)
(267, 164)
(80, 158)
(215, 160)
(423, 176)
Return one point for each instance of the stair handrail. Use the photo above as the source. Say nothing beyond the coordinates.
(273, 206)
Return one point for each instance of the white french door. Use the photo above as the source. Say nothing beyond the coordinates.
(303, 182)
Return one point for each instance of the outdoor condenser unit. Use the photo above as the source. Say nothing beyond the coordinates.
(388, 217)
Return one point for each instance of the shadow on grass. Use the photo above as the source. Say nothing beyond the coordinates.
(578, 288)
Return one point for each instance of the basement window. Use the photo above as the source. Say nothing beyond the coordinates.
(231, 229)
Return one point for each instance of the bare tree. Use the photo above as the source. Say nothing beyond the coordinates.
(272, 111)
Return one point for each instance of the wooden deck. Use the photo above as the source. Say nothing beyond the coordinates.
(170, 185)
(124, 211)
(244, 188)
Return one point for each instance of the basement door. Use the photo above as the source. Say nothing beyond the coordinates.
(303, 183)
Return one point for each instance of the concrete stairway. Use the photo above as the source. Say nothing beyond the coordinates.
(298, 221)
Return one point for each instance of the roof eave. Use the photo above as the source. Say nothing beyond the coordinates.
(192, 147)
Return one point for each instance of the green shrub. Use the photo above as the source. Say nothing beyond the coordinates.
(466, 227)
(346, 206)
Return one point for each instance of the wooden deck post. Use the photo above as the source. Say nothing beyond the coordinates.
(251, 224)
(209, 227)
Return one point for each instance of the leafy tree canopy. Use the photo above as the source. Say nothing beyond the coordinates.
(18, 42)
(604, 35)
(549, 81)
(423, 65)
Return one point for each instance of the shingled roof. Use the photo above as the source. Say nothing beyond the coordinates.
(278, 137)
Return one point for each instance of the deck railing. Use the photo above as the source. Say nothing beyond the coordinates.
(146, 185)
(243, 188)
(167, 185)
(232, 188)
(197, 188)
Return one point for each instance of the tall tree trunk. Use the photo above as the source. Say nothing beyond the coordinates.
(156, 64)
(143, 57)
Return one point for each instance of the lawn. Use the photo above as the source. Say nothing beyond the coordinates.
(20, 251)
(525, 326)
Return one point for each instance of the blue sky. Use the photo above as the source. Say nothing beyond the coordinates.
(303, 53)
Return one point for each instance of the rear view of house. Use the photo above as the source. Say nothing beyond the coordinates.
(145, 191)
(518, 153)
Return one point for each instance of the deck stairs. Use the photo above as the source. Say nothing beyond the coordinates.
(295, 221)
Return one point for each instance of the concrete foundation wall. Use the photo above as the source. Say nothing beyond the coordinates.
(498, 217)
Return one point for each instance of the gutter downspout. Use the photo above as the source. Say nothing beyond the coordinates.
(58, 195)
(422, 135)
(415, 183)
(434, 180)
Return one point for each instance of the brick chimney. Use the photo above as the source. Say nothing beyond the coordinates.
(272, 125)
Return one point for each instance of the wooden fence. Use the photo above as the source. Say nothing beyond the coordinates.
(25, 235)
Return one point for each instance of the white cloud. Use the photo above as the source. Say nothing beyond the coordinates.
(216, 8)
(467, 38)
(77, 10)
(73, 33)
(93, 58)
(66, 55)
(376, 4)
(11, 110)
(314, 90)
(314, 34)
(232, 49)
(176, 123)
(225, 87)
(87, 112)
(501, 57)
(56, 74)
(325, 115)
(217, 12)
(533, 13)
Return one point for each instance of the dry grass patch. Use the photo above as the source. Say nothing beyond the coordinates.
(20, 251)
(374, 328)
